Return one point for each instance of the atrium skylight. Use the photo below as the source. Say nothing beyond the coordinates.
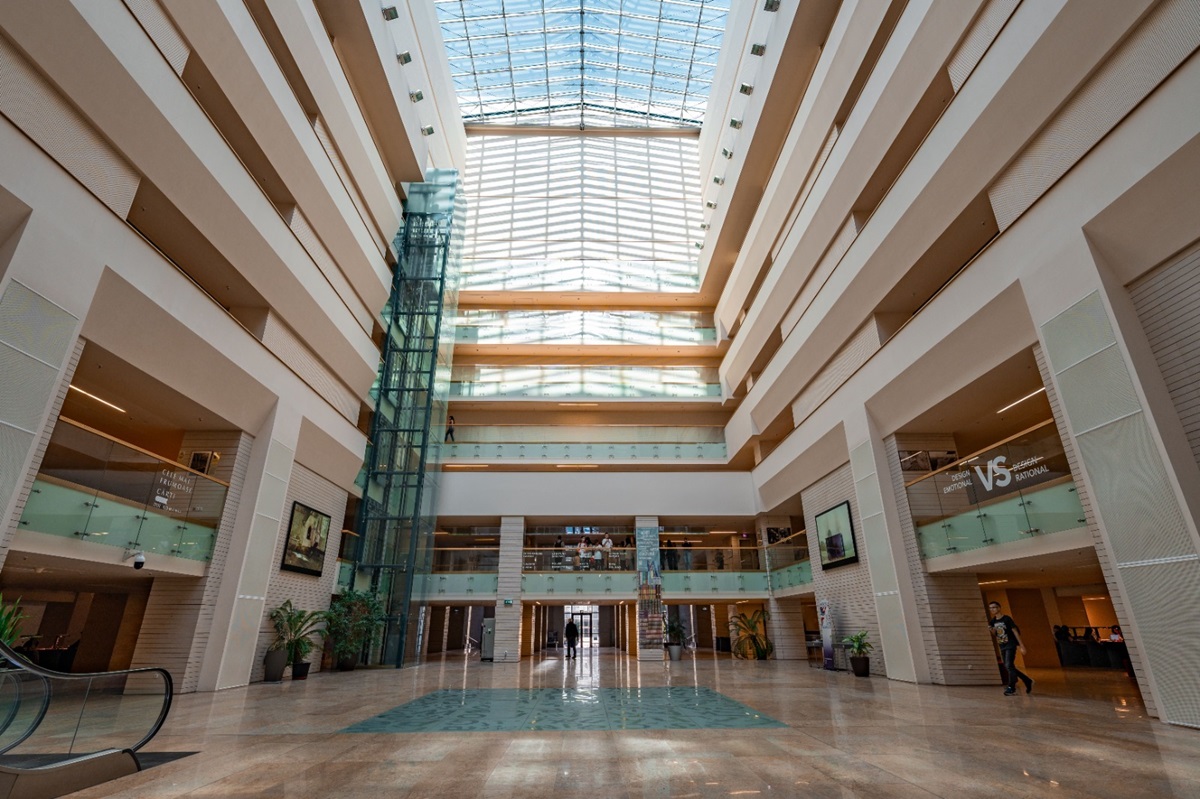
(583, 63)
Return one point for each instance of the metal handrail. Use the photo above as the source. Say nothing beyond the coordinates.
(17, 660)
(16, 708)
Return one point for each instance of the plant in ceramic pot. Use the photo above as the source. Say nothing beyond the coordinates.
(749, 633)
(673, 632)
(352, 622)
(860, 649)
(294, 631)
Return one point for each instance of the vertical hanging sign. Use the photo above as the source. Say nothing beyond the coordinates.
(649, 606)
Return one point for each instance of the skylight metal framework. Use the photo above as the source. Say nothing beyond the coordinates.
(585, 63)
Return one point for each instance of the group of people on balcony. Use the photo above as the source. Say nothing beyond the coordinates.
(589, 555)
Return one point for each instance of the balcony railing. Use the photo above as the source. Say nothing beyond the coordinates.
(1012, 491)
(793, 549)
(475, 559)
(93, 487)
(587, 328)
(706, 559)
(558, 451)
(600, 382)
(571, 558)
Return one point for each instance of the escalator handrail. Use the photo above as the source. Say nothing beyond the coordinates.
(18, 660)
(33, 724)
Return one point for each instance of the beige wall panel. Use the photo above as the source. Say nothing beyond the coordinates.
(38, 110)
(977, 41)
(1170, 33)
(158, 26)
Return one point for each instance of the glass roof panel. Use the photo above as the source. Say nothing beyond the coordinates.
(591, 63)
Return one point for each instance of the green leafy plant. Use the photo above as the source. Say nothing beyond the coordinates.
(11, 617)
(749, 633)
(857, 644)
(353, 621)
(294, 629)
(674, 632)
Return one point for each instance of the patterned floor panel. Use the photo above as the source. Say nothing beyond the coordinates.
(513, 709)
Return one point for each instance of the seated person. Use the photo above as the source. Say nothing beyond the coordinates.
(1116, 637)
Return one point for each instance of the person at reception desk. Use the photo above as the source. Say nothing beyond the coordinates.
(1008, 638)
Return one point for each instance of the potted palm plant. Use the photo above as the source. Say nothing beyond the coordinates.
(674, 631)
(749, 633)
(294, 629)
(352, 622)
(11, 617)
(859, 648)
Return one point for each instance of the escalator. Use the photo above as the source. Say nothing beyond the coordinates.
(65, 732)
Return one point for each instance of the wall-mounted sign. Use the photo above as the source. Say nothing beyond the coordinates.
(507, 602)
(997, 476)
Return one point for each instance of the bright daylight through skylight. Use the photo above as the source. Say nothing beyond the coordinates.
(584, 63)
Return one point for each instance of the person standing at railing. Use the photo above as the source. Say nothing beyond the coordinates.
(607, 544)
(449, 438)
(687, 555)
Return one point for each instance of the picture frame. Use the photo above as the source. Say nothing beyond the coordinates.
(307, 540)
(835, 536)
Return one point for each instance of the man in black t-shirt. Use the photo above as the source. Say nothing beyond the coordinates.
(1008, 638)
(571, 633)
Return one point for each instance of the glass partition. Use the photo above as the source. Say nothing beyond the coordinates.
(45, 713)
(96, 488)
(616, 382)
(475, 559)
(793, 549)
(679, 558)
(1016, 489)
(646, 328)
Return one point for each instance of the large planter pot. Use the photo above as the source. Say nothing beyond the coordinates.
(675, 651)
(860, 665)
(347, 663)
(273, 665)
(300, 671)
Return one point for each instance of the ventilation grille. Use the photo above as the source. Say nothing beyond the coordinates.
(154, 20)
(987, 26)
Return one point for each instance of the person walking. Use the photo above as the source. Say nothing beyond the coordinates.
(1008, 638)
(571, 633)
(449, 431)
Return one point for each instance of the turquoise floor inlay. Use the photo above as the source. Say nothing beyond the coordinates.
(512, 709)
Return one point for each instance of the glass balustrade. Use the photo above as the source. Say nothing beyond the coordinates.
(643, 328)
(742, 559)
(47, 716)
(601, 275)
(572, 558)
(476, 559)
(1012, 491)
(95, 488)
(791, 550)
(561, 382)
(574, 451)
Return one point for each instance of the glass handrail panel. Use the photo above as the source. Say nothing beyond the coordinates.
(476, 559)
(573, 451)
(786, 553)
(588, 434)
(58, 508)
(1008, 519)
(572, 558)
(798, 573)
(76, 714)
(710, 559)
(643, 328)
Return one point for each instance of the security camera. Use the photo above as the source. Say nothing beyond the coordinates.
(139, 560)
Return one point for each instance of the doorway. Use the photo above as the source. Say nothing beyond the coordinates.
(585, 618)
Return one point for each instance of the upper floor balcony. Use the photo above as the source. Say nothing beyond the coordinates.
(95, 488)
(581, 383)
(520, 328)
(557, 443)
(788, 562)
(1013, 491)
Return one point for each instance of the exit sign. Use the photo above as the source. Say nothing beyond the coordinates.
(508, 602)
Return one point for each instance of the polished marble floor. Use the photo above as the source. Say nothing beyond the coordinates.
(1078, 735)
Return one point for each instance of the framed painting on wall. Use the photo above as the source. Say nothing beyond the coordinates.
(308, 535)
(835, 537)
